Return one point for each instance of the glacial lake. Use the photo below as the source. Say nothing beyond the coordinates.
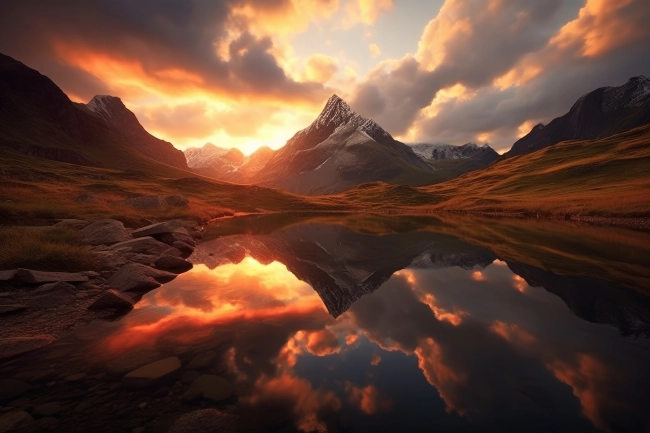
(379, 324)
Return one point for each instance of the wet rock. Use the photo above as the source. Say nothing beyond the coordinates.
(204, 421)
(132, 278)
(12, 388)
(72, 224)
(174, 264)
(105, 232)
(185, 248)
(112, 299)
(146, 202)
(73, 378)
(132, 360)
(150, 373)
(157, 228)
(39, 277)
(209, 386)
(143, 245)
(177, 201)
(11, 308)
(7, 275)
(16, 420)
(202, 360)
(47, 409)
(14, 346)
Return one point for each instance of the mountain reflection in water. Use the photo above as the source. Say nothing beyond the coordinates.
(407, 326)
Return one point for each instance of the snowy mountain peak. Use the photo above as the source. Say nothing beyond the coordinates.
(439, 152)
(105, 105)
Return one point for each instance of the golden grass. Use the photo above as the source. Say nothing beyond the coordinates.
(45, 249)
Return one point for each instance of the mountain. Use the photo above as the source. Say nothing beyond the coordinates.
(226, 164)
(37, 118)
(452, 161)
(338, 150)
(598, 114)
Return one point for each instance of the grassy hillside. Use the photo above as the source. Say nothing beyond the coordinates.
(606, 177)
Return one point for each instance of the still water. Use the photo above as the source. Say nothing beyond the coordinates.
(363, 324)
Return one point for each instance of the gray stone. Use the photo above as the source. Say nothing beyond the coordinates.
(13, 421)
(14, 346)
(143, 245)
(47, 409)
(132, 278)
(7, 275)
(150, 373)
(12, 388)
(158, 228)
(204, 421)
(132, 359)
(11, 308)
(112, 299)
(111, 260)
(202, 360)
(177, 201)
(39, 277)
(172, 263)
(72, 224)
(105, 232)
(146, 202)
(209, 386)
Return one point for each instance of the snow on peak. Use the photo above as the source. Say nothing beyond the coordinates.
(102, 104)
(439, 152)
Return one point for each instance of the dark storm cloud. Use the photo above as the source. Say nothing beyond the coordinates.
(158, 35)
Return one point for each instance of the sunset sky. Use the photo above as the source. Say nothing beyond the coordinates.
(246, 73)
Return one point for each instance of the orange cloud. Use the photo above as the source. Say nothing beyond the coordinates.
(320, 68)
(368, 399)
(375, 360)
(512, 332)
(374, 50)
(366, 11)
(322, 343)
(599, 29)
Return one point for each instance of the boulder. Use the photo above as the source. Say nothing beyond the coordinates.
(131, 278)
(112, 299)
(53, 295)
(158, 228)
(146, 202)
(180, 235)
(7, 275)
(143, 259)
(12, 388)
(111, 259)
(11, 308)
(185, 248)
(15, 420)
(40, 277)
(177, 201)
(174, 264)
(105, 232)
(132, 359)
(14, 346)
(150, 373)
(204, 421)
(209, 386)
(72, 224)
(142, 245)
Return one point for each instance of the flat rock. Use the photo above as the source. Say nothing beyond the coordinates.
(180, 235)
(142, 245)
(174, 264)
(132, 278)
(39, 277)
(209, 386)
(150, 373)
(132, 359)
(11, 308)
(112, 299)
(105, 232)
(184, 247)
(14, 346)
(12, 388)
(205, 421)
(157, 228)
(13, 421)
(7, 275)
(53, 295)
(47, 409)
(72, 224)
(143, 259)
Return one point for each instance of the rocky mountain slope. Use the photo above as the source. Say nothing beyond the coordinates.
(452, 161)
(37, 118)
(598, 114)
(338, 150)
(226, 164)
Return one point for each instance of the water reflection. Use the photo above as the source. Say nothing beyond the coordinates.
(402, 326)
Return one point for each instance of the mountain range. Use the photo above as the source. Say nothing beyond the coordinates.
(598, 114)
(226, 164)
